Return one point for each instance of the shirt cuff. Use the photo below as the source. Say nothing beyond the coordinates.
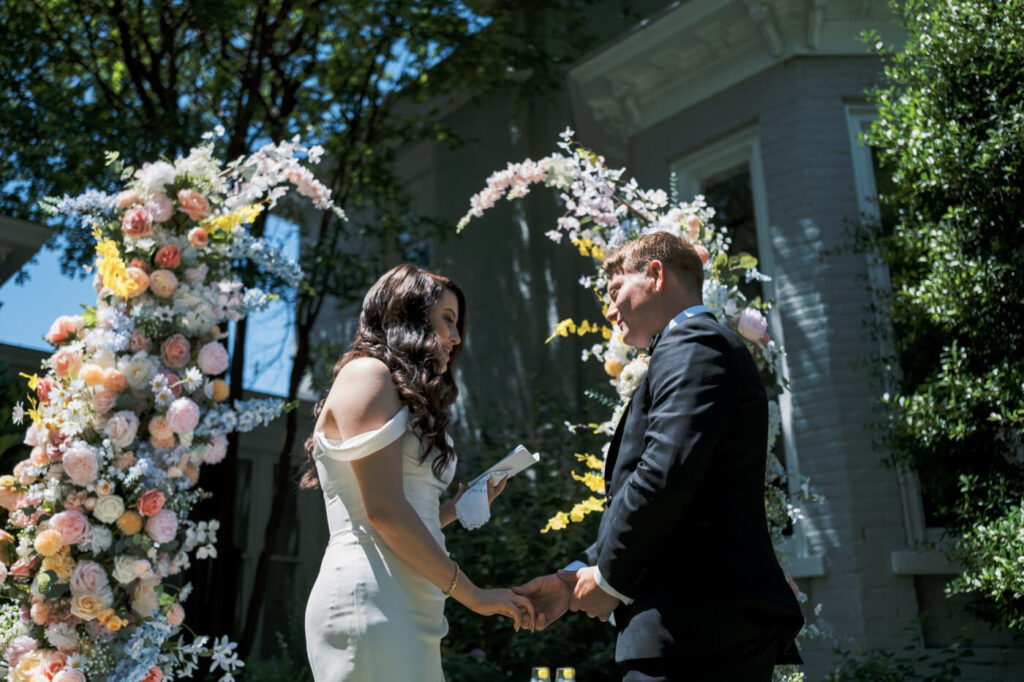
(575, 566)
(603, 584)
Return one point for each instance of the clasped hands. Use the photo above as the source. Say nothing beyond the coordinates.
(554, 594)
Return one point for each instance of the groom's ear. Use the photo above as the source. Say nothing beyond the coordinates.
(656, 271)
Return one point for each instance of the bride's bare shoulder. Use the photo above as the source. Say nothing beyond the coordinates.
(363, 390)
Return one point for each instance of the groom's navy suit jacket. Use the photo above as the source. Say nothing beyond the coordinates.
(684, 532)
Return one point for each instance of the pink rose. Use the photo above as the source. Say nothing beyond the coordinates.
(66, 362)
(218, 449)
(22, 568)
(176, 614)
(140, 281)
(3, 576)
(88, 577)
(154, 675)
(54, 663)
(161, 208)
(173, 382)
(80, 463)
(197, 275)
(163, 283)
(137, 222)
(103, 401)
(176, 351)
(193, 203)
(198, 237)
(213, 358)
(150, 503)
(752, 325)
(127, 198)
(163, 526)
(114, 380)
(43, 388)
(139, 342)
(692, 227)
(122, 427)
(169, 256)
(183, 416)
(63, 327)
(72, 525)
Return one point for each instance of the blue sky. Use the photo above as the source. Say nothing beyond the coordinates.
(29, 309)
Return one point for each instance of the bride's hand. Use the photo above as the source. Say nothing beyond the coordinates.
(495, 488)
(502, 602)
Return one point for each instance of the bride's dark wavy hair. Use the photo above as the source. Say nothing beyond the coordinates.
(395, 328)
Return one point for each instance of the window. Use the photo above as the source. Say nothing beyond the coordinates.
(729, 175)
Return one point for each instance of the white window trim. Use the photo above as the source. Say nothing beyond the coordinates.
(919, 559)
(741, 147)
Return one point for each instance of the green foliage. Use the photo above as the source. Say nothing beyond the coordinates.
(509, 550)
(917, 665)
(951, 131)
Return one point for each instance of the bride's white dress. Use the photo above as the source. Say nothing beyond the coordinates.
(370, 615)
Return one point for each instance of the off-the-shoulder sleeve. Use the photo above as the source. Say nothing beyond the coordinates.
(365, 443)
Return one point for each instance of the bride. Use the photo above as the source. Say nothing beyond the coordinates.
(381, 453)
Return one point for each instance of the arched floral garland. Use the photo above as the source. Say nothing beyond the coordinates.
(602, 212)
(129, 409)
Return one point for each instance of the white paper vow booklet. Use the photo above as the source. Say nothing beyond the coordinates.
(514, 462)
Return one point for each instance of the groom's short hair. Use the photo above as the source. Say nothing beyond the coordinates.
(675, 253)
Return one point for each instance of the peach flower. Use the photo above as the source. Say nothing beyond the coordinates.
(140, 281)
(103, 401)
(53, 664)
(150, 503)
(158, 427)
(71, 524)
(169, 256)
(63, 327)
(130, 523)
(80, 463)
(66, 362)
(87, 606)
(193, 203)
(154, 675)
(128, 197)
(137, 222)
(198, 237)
(48, 542)
(114, 380)
(220, 390)
(163, 283)
(91, 374)
(692, 227)
(702, 252)
(69, 675)
(213, 358)
(176, 351)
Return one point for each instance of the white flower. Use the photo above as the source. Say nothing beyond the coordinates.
(631, 376)
(108, 508)
(18, 413)
(153, 177)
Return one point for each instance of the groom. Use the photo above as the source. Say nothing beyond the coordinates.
(683, 556)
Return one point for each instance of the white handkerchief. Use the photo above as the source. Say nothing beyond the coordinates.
(472, 509)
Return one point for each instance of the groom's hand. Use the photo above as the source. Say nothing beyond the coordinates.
(587, 596)
(549, 596)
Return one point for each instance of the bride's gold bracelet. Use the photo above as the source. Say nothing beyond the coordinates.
(455, 580)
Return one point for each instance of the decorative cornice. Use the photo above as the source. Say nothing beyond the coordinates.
(695, 49)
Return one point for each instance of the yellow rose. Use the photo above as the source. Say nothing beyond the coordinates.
(49, 542)
(130, 523)
(87, 606)
(110, 619)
